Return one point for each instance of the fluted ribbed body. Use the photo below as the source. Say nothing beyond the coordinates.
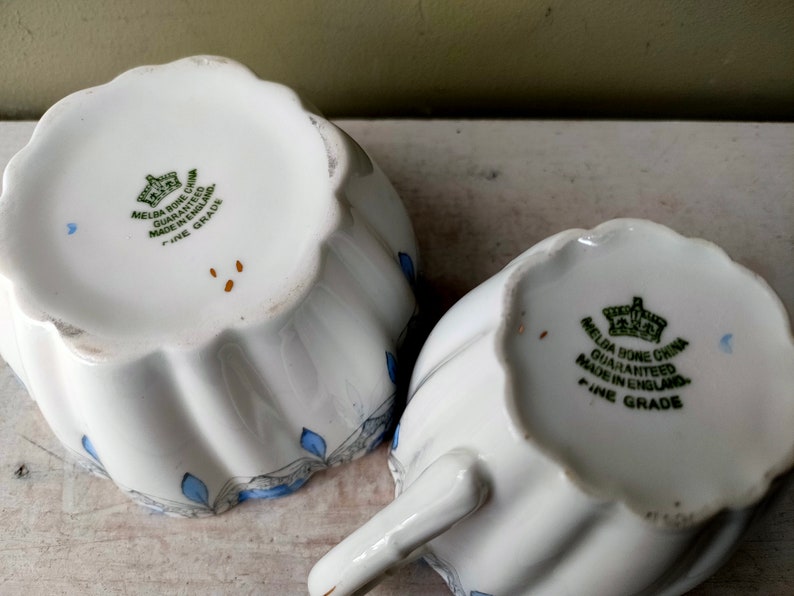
(203, 284)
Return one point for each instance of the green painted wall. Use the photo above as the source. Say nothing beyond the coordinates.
(616, 58)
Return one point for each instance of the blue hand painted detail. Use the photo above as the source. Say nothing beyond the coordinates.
(476, 593)
(195, 490)
(407, 265)
(89, 447)
(396, 439)
(278, 483)
(313, 443)
(391, 365)
(71, 228)
(376, 441)
(725, 343)
(281, 490)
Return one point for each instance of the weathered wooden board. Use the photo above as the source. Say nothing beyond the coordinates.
(479, 193)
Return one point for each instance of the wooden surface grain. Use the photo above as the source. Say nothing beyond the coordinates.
(479, 193)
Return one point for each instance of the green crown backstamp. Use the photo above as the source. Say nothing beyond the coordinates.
(633, 320)
(159, 188)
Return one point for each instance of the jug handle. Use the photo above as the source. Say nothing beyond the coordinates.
(448, 490)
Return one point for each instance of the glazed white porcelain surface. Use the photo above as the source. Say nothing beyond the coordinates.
(604, 416)
(203, 284)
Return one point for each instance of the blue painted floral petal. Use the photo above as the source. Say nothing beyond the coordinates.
(375, 443)
(282, 490)
(407, 265)
(89, 447)
(476, 593)
(313, 443)
(396, 440)
(195, 490)
(391, 364)
(725, 343)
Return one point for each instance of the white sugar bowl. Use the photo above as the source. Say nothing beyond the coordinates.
(203, 284)
(604, 416)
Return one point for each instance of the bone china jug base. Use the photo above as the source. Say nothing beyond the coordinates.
(670, 364)
(623, 396)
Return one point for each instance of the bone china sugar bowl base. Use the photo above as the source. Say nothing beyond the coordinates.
(203, 284)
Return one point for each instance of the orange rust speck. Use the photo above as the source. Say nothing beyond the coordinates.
(521, 328)
(212, 272)
(239, 266)
(229, 286)
(544, 334)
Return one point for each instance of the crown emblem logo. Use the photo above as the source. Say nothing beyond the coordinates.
(634, 321)
(159, 188)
